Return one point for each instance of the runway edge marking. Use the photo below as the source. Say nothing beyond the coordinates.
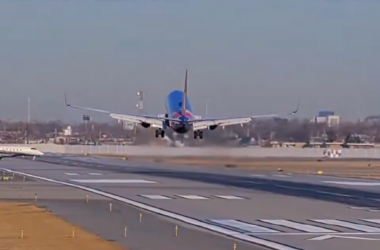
(194, 222)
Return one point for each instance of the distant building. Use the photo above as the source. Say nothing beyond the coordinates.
(326, 113)
(68, 131)
(330, 120)
(333, 120)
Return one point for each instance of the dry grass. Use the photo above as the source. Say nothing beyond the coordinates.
(347, 168)
(43, 230)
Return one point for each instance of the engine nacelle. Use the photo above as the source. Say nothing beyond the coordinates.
(212, 127)
(145, 125)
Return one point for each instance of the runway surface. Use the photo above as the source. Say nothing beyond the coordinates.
(294, 211)
(152, 232)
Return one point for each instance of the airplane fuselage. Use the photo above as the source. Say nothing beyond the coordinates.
(174, 110)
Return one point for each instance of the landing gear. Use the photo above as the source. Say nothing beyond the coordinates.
(160, 132)
(34, 158)
(199, 134)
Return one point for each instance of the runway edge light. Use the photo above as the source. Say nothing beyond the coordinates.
(320, 172)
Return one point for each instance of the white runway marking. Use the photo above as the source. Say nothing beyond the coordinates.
(71, 174)
(257, 175)
(229, 197)
(183, 218)
(336, 194)
(358, 227)
(95, 174)
(299, 226)
(193, 197)
(243, 226)
(376, 221)
(354, 183)
(114, 181)
(156, 197)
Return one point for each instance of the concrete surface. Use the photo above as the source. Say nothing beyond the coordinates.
(205, 151)
(152, 233)
(307, 206)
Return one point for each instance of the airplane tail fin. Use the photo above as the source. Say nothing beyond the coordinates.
(184, 96)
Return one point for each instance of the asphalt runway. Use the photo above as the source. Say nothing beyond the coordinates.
(295, 211)
(152, 232)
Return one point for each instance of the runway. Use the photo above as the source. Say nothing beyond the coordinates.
(290, 211)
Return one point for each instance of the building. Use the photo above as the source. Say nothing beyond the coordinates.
(333, 120)
(326, 113)
(326, 117)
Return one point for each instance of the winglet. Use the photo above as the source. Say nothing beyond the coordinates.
(68, 105)
(295, 111)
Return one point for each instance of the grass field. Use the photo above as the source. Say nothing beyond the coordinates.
(358, 168)
(43, 230)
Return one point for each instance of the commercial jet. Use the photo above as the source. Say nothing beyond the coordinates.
(15, 151)
(179, 116)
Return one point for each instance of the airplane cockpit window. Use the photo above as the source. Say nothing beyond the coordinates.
(33, 148)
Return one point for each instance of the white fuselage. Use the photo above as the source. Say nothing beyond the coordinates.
(19, 151)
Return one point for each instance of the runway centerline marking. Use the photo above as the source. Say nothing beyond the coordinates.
(229, 197)
(71, 174)
(155, 197)
(183, 218)
(193, 197)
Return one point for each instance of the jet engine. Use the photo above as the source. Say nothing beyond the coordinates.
(145, 125)
(212, 127)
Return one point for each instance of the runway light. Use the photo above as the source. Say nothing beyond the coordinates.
(72, 232)
(235, 246)
(110, 207)
(87, 198)
(35, 197)
(176, 230)
(22, 234)
(320, 172)
(125, 232)
(140, 217)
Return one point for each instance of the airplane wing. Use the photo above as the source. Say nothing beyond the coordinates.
(200, 124)
(156, 121)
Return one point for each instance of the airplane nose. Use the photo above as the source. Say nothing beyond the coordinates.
(41, 153)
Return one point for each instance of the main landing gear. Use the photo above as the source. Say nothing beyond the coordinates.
(160, 132)
(199, 134)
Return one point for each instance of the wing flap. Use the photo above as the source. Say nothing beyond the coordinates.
(203, 124)
(157, 122)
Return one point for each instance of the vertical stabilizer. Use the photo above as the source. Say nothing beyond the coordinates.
(184, 96)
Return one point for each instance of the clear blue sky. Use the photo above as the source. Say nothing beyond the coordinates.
(245, 56)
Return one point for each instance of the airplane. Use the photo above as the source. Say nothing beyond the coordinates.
(179, 116)
(15, 151)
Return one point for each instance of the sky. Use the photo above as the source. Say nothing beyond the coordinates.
(245, 57)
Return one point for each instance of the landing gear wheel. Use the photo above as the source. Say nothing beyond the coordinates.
(200, 134)
(162, 133)
(157, 133)
(195, 134)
